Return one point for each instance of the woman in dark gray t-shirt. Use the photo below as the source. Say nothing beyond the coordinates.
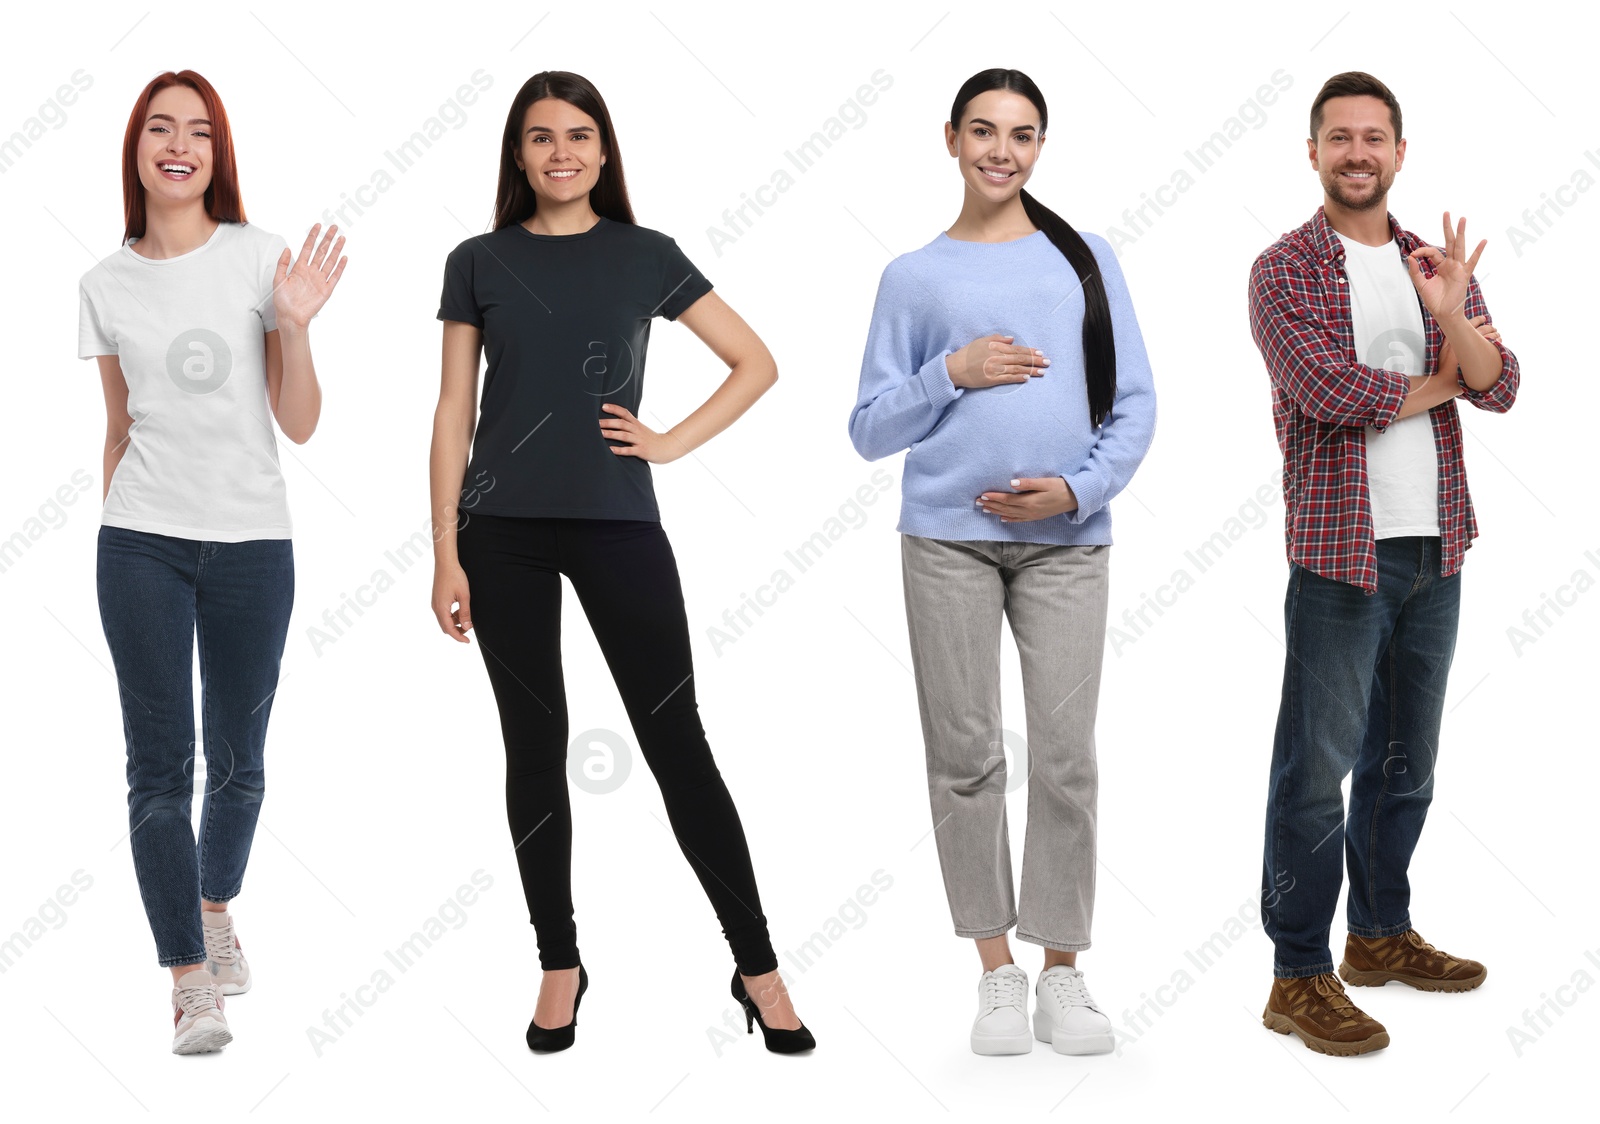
(559, 300)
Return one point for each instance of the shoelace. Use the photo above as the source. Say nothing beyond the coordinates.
(1005, 989)
(197, 1000)
(1070, 990)
(1414, 939)
(219, 943)
(1329, 986)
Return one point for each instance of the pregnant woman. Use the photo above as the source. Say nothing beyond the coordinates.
(200, 328)
(1006, 357)
(560, 298)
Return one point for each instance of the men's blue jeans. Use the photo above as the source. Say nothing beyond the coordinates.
(1363, 692)
(157, 593)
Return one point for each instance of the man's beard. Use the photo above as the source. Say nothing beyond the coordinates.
(1335, 187)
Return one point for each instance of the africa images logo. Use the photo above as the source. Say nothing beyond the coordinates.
(1398, 349)
(199, 361)
(602, 380)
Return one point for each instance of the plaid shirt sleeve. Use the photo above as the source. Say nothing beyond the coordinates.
(1499, 397)
(1306, 355)
(1322, 399)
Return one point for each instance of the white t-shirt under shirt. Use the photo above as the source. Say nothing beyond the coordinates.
(1402, 461)
(201, 460)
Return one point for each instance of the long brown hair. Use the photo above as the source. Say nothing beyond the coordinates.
(222, 194)
(514, 199)
(1099, 342)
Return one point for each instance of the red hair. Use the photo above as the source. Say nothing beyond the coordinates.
(222, 194)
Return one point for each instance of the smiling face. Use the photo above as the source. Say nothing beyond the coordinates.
(175, 147)
(1355, 152)
(560, 151)
(997, 142)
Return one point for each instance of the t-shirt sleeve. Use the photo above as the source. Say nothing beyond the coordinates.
(267, 307)
(681, 283)
(458, 301)
(92, 338)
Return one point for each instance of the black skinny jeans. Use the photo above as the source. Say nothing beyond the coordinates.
(626, 578)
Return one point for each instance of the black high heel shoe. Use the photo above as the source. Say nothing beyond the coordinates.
(778, 1041)
(548, 1041)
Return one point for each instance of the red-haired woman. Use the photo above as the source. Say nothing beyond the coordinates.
(560, 298)
(200, 326)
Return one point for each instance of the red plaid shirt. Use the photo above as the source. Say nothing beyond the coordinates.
(1322, 398)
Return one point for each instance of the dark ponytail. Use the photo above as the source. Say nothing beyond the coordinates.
(1099, 342)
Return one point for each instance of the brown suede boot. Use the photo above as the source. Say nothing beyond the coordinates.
(1374, 961)
(1317, 1010)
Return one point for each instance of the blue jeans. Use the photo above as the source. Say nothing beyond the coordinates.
(157, 593)
(1363, 690)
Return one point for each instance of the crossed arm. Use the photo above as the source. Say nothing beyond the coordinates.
(1306, 360)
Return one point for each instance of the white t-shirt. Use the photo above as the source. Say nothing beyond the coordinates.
(1402, 461)
(201, 460)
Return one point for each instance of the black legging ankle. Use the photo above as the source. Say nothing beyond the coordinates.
(626, 578)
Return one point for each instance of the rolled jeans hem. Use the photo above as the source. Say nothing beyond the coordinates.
(1282, 973)
(1384, 931)
(174, 961)
(1058, 946)
(985, 934)
(221, 899)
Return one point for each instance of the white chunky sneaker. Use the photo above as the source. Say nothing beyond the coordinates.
(1002, 1023)
(1067, 1017)
(224, 958)
(198, 1024)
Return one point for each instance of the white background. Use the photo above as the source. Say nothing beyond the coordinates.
(384, 755)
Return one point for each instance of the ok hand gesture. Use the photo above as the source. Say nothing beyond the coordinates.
(1445, 293)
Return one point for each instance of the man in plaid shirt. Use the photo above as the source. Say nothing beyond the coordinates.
(1368, 335)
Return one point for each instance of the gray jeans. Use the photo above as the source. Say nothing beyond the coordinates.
(1055, 598)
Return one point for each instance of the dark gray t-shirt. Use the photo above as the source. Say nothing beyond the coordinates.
(566, 322)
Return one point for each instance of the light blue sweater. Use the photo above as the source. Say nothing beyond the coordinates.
(936, 300)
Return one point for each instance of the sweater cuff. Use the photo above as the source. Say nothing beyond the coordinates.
(1090, 491)
(936, 382)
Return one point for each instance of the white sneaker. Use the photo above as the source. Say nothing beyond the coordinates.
(1067, 1017)
(198, 1024)
(1002, 1023)
(224, 958)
